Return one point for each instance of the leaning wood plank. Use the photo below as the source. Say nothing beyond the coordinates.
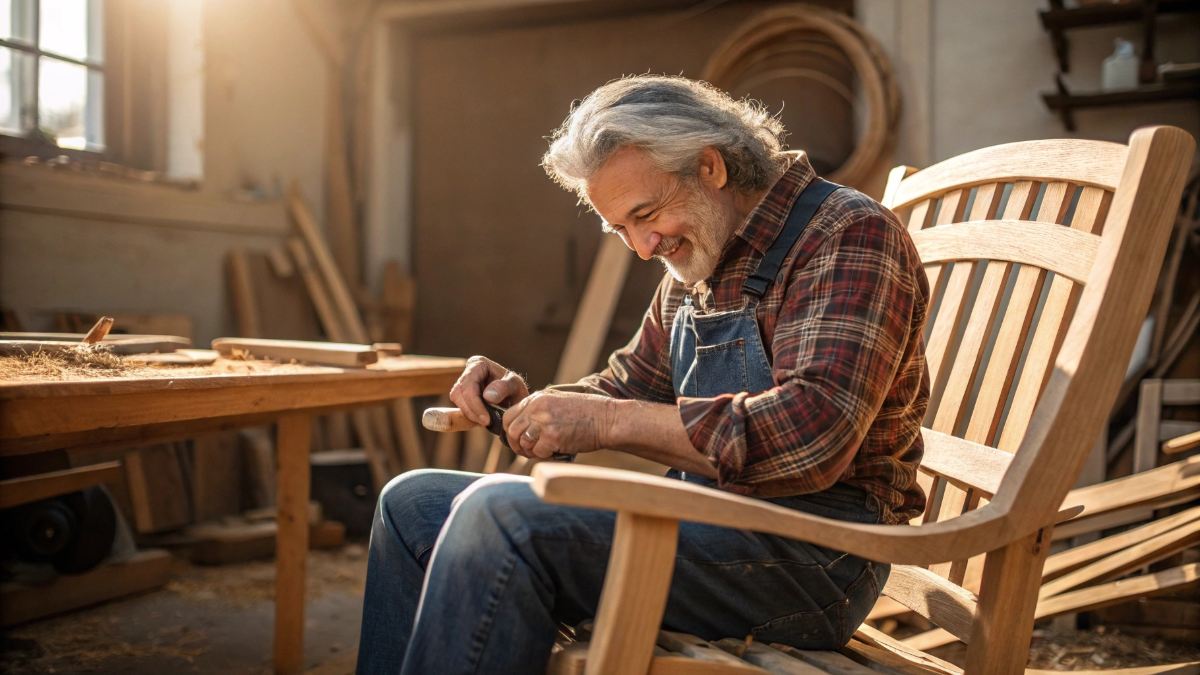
(241, 292)
(1115, 592)
(292, 490)
(634, 595)
(323, 353)
(1074, 558)
(408, 439)
(590, 326)
(1182, 477)
(1143, 553)
(343, 301)
(144, 571)
(930, 595)
(1145, 444)
(1181, 443)
(17, 491)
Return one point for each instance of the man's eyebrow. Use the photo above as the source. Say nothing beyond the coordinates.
(639, 207)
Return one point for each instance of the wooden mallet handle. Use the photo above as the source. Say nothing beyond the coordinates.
(446, 419)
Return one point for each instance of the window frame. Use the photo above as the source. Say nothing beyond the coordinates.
(33, 142)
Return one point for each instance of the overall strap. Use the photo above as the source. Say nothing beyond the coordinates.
(803, 209)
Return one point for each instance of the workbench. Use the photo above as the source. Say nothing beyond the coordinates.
(39, 416)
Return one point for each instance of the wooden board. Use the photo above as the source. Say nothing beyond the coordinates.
(140, 344)
(26, 489)
(324, 353)
(144, 571)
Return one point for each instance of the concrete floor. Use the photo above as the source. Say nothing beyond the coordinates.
(206, 620)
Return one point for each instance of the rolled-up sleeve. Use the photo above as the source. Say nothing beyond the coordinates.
(841, 334)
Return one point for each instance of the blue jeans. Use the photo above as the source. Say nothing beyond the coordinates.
(468, 574)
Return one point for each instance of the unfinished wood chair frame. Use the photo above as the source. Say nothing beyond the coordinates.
(1062, 398)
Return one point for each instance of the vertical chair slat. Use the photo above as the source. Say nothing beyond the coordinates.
(1057, 312)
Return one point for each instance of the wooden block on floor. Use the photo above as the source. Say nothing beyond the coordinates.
(146, 570)
(221, 544)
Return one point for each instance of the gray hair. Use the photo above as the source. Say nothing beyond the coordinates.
(672, 119)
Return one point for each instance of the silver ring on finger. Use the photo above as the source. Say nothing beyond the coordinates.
(531, 435)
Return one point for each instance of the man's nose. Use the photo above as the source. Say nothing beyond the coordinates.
(644, 242)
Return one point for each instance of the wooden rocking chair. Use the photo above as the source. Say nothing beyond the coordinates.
(1042, 257)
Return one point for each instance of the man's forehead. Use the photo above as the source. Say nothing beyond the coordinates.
(625, 181)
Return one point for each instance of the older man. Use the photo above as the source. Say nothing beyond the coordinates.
(780, 358)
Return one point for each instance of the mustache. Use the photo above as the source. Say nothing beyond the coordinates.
(667, 245)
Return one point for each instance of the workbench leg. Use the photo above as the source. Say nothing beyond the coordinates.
(293, 432)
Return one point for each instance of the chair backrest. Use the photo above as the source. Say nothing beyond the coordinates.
(1041, 258)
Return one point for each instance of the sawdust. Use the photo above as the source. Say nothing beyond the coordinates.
(246, 584)
(80, 361)
(89, 362)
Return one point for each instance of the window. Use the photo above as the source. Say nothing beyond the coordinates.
(52, 73)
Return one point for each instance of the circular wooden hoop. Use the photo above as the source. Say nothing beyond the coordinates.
(738, 56)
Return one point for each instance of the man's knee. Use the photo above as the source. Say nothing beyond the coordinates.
(414, 494)
(499, 502)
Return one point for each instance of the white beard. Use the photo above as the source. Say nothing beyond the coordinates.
(710, 228)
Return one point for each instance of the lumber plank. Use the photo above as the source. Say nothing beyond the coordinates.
(775, 661)
(1145, 443)
(324, 353)
(241, 291)
(1143, 553)
(144, 571)
(27, 489)
(1073, 558)
(335, 284)
(1113, 592)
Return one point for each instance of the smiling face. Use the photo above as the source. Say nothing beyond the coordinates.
(684, 223)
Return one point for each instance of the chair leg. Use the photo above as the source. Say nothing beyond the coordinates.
(1008, 597)
(634, 595)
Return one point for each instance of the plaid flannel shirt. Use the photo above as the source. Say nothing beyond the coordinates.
(842, 326)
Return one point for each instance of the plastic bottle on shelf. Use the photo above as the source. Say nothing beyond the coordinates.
(1121, 69)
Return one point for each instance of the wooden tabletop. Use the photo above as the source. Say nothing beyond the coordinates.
(43, 414)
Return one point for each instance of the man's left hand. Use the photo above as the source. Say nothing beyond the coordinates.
(551, 421)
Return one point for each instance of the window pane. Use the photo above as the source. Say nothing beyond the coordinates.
(16, 91)
(16, 20)
(71, 28)
(70, 102)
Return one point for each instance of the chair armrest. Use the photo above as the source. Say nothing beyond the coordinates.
(978, 531)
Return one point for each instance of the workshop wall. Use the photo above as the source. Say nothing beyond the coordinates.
(500, 253)
(264, 98)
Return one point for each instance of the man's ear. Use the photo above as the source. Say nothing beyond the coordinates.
(711, 170)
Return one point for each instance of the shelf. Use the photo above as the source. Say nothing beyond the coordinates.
(1058, 19)
(1066, 102)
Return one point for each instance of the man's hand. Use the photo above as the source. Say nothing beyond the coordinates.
(552, 421)
(484, 379)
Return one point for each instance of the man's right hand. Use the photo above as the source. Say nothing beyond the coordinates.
(485, 380)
